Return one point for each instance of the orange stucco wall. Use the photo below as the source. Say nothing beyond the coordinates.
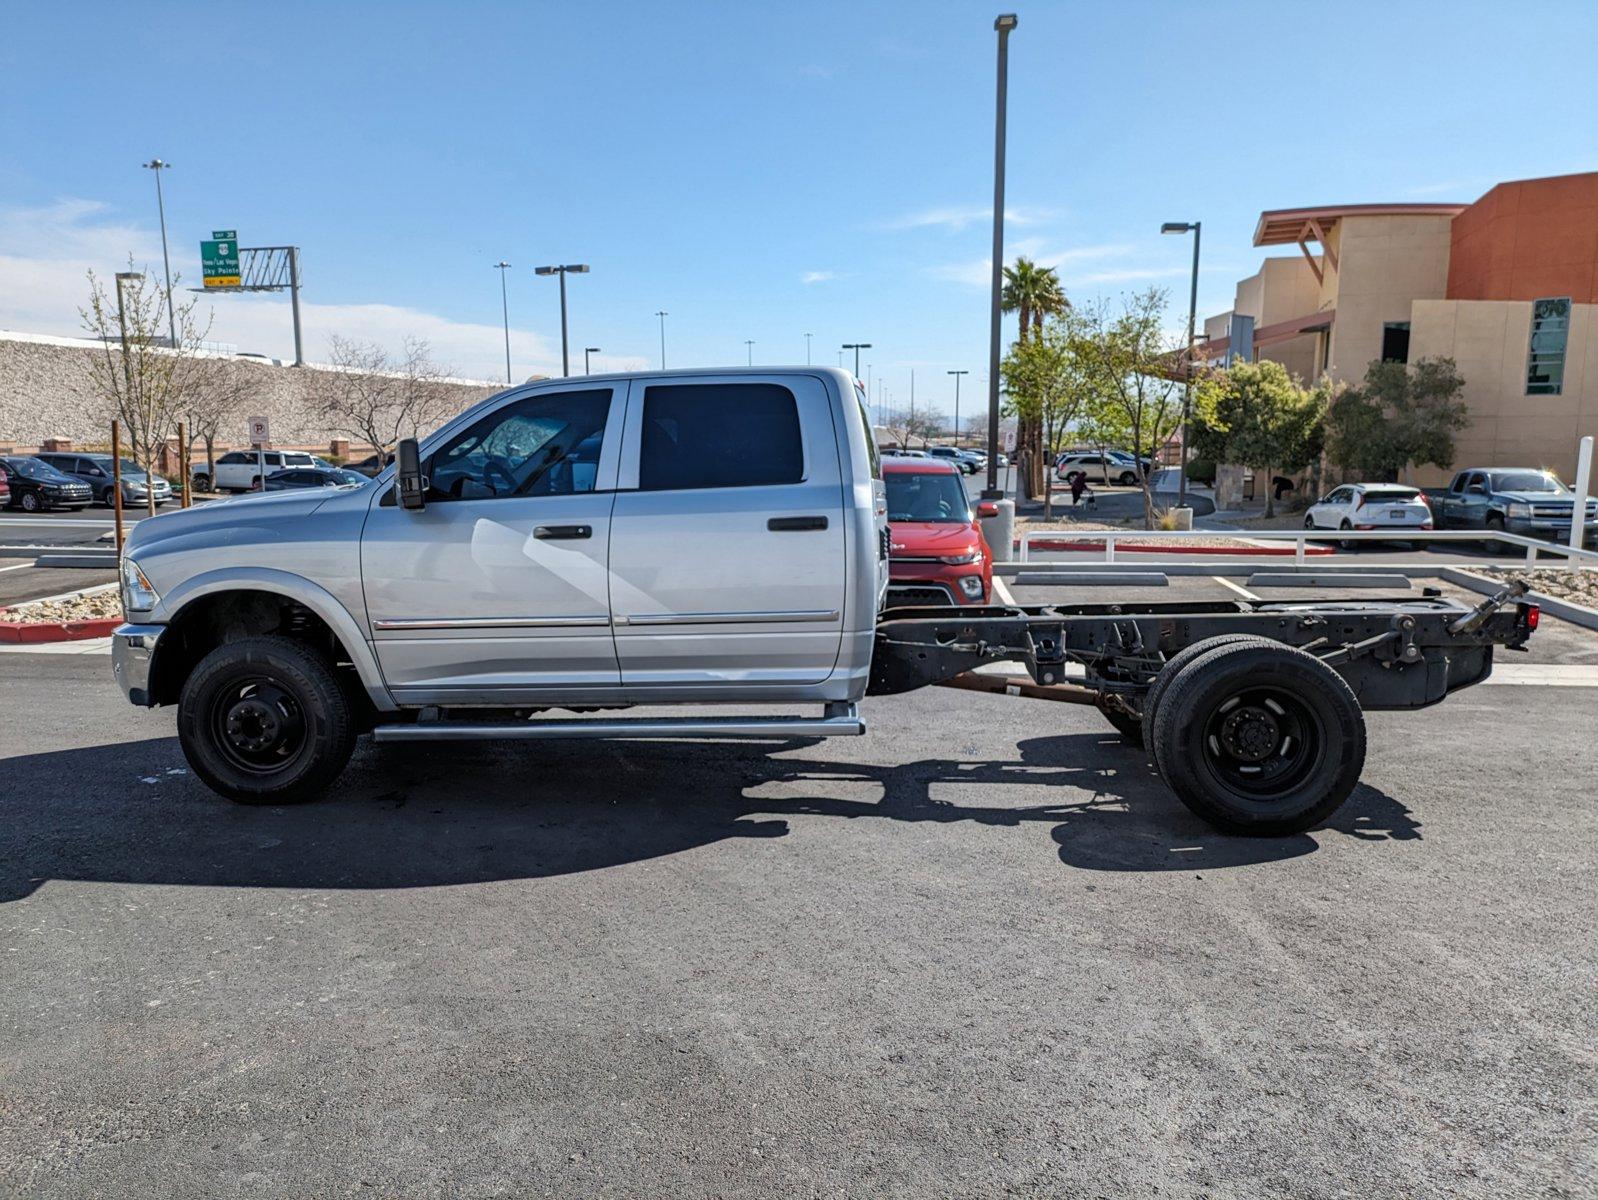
(1527, 240)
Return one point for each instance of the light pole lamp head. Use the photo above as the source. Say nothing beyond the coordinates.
(155, 164)
(1005, 22)
(590, 349)
(545, 270)
(502, 265)
(579, 268)
(1177, 227)
(129, 276)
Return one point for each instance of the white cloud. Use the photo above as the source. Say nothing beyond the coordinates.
(46, 254)
(955, 219)
(976, 272)
(818, 276)
(1132, 275)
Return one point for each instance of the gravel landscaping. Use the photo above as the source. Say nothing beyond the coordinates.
(1577, 587)
(97, 605)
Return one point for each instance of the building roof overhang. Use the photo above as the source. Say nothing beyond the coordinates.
(1286, 226)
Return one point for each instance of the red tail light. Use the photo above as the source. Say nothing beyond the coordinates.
(1425, 499)
(1530, 614)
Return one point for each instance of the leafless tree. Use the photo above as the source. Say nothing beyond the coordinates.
(377, 398)
(140, 381)
(215, 392)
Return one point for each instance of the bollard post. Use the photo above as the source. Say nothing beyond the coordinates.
(183, 467)
(1109, 547)
(116, 482)
(1578, 512)
(1000, 532)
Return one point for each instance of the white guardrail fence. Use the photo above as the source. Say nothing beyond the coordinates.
(1301, 539)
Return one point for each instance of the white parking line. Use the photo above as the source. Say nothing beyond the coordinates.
(18, 567)
(1002, 592)
(1243, 592)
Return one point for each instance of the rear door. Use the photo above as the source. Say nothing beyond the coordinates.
(727, 553)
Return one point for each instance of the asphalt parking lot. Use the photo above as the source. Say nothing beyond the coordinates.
(979, 951)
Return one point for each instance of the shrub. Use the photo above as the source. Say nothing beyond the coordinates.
(1202, 470)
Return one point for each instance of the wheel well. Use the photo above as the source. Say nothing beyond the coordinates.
(221, 617)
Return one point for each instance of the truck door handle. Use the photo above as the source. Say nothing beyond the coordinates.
(789, 524)
(549, 533)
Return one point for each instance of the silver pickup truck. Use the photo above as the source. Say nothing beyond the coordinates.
(720, 538)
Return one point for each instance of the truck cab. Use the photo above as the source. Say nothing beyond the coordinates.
(680, 537)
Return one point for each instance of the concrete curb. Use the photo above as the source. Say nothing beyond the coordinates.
(1092, 579)
(1333, 579)
(1217, 551)
(1576, 614)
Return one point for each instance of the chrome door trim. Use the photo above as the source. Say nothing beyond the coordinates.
(409, 624)
(728, 618)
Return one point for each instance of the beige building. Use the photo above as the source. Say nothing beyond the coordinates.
(1507, 287)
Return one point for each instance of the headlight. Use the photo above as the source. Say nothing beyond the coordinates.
(1519, 511)
(138, 595)
(960, 560)
(971, 585)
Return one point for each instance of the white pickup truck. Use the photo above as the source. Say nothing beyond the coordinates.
(693, 538)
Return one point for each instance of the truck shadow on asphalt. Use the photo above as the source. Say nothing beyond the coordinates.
(417, 816)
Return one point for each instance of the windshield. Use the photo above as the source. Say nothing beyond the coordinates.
(341, 476)
(1527, 481)
(32, 468)
(927, 497)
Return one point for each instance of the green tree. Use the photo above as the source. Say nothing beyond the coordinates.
(1257, 415)
(1032, 292)
(1400, 417)
(1131, 403)
(1048, 379)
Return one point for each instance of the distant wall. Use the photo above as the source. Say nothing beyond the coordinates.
(45, 394)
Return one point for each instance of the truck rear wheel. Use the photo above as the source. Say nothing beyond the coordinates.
(264, 721)
(1260, 739)
(1173, 668)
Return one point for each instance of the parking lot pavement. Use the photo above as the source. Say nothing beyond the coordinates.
(980, 949)
(20, 580)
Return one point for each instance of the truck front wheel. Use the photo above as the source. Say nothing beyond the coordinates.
(264, 721)
(1263, 740)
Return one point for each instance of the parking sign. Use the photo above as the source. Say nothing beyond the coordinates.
(260, 431)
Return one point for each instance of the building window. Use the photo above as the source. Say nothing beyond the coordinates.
(1395, 342)
(1545, 361)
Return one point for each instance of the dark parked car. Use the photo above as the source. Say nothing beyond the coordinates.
(372, 464)
(37, 486)
(311, 477)
(95, 470)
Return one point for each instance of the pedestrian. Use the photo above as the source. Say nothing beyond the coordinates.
(1079, 484)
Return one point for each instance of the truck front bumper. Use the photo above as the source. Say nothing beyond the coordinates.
(1551, 531)
(132, 649)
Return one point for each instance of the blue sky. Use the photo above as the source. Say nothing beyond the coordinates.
(758, 170)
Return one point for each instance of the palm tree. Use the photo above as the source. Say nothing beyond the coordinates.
(1033, 292)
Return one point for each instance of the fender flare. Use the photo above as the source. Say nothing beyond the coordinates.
(292, 587)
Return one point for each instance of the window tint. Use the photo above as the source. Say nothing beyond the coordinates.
(232, 459)
(546, 445)
(719, 435)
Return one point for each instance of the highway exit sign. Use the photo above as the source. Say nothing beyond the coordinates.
(219, 259)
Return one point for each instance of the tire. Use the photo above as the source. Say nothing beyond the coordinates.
(1129, 727)
(1309, 523)
(256, 484)
(1261, 740)
(1495, 524)
(108, 497)
(201, 483)
(1344, 543)
(1168, 673)
(264, 721)
(30, 503)
(1127, 479)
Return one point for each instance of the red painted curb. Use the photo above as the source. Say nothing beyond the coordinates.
(32, 632)
(1239, 552)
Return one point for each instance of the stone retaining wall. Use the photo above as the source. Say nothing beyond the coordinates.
(45, 395)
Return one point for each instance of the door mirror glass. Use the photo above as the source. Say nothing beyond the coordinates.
(410, 487)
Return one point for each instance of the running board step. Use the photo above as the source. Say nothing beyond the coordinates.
(841, 721)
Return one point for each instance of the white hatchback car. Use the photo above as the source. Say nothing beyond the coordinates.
(1367, 506)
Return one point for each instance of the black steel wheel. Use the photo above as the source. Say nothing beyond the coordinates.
(1260, 739)
(265, 721)
(1173, 668)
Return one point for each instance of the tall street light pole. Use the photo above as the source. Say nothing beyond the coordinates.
(749, 345)
(587, 350)
(580, 269)
(1196, 228)
(808, 336)
(857, 347)
(504, 308)
(663, 315)
(156, 165)
(957, 375)
(1003, 24)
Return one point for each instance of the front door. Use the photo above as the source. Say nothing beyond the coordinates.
(727, 551)
(496, 592)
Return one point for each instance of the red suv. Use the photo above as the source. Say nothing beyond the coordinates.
(937, 554)
(5, 487)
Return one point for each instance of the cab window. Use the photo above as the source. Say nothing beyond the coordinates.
(545, 445)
